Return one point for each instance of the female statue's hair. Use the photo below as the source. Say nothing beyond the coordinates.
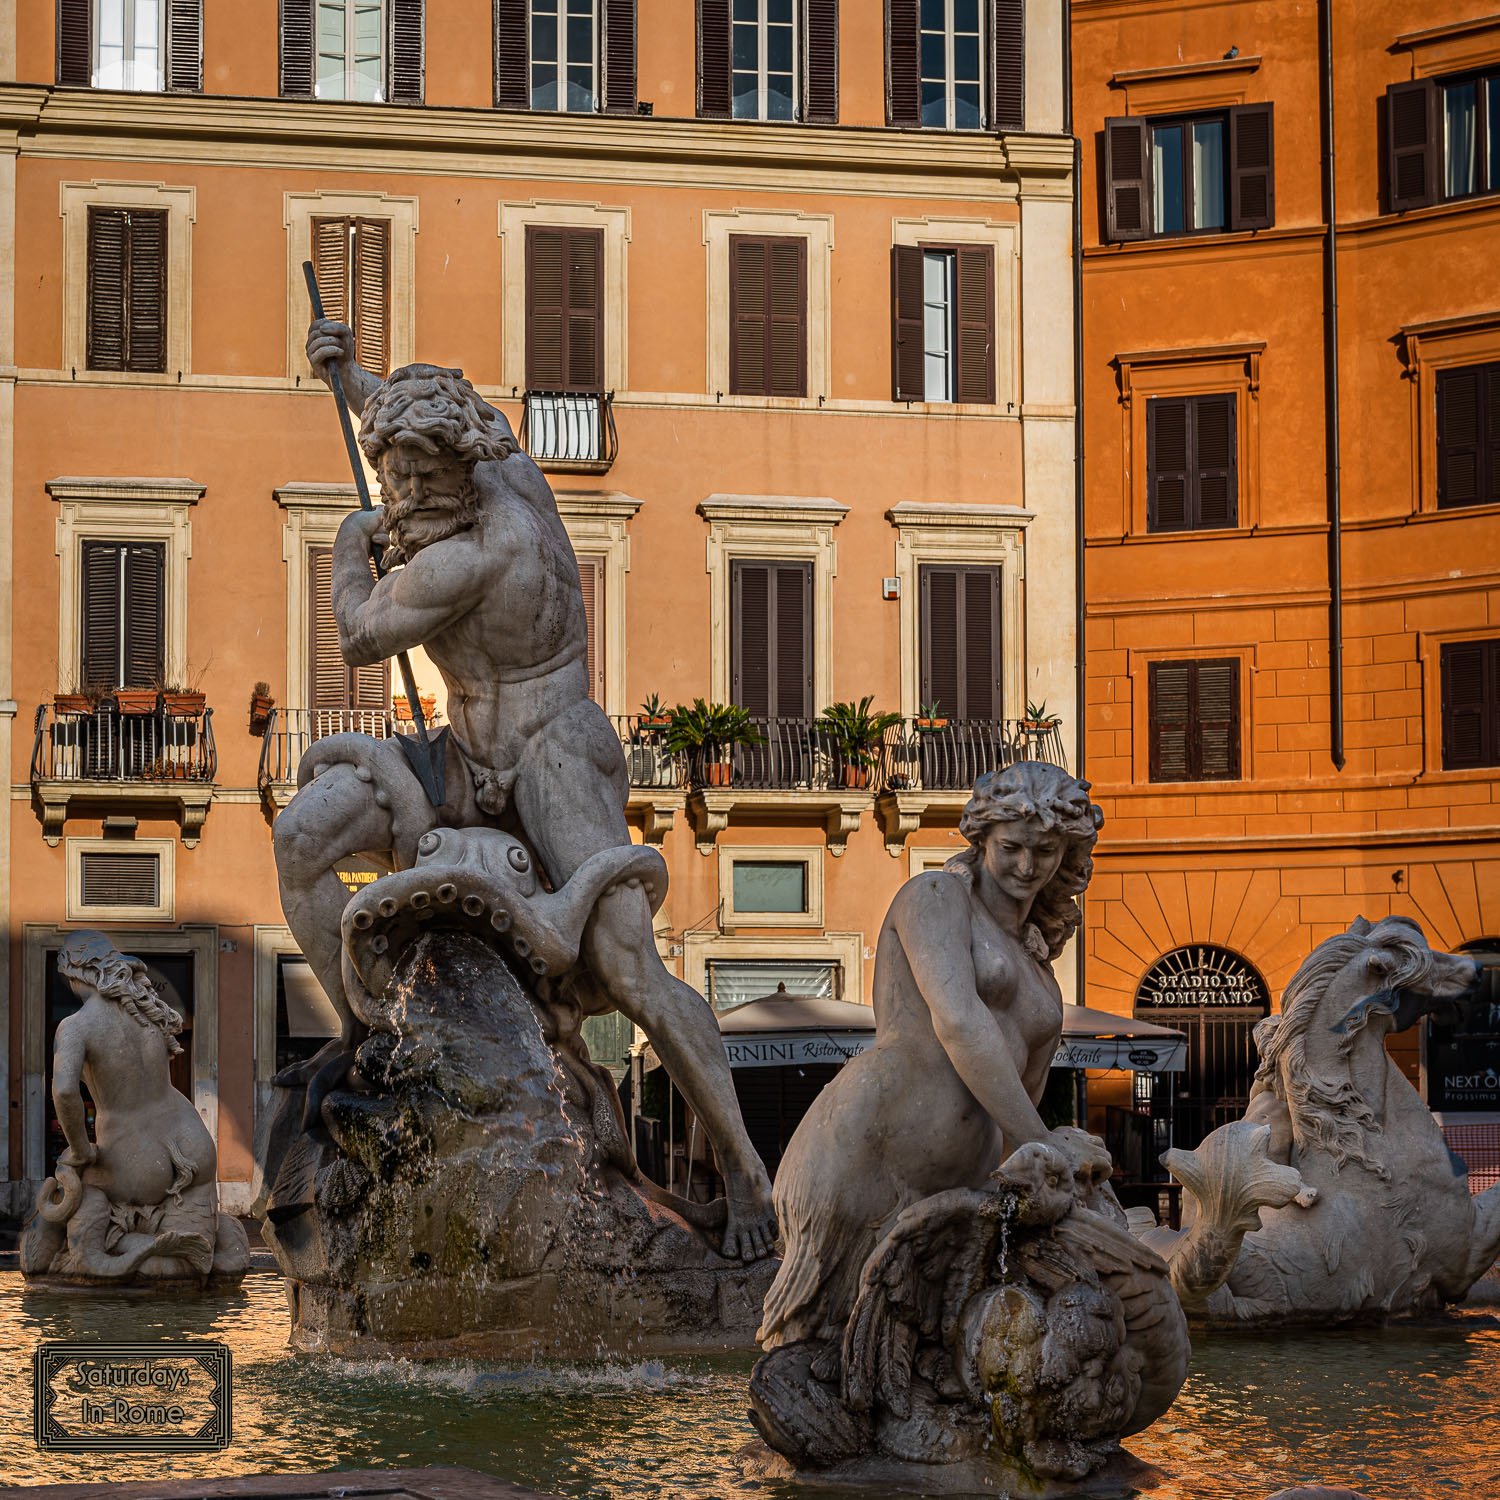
(1060, 803)
(92, 959)
(435, 409)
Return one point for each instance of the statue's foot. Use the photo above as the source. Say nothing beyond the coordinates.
(750, 1225)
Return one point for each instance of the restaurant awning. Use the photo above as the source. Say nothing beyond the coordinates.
(1099, 1039)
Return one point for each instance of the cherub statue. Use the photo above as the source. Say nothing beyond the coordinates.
(141, 1200)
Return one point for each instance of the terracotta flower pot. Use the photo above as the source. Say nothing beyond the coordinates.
(72, 703)
(136, 700)
(856, 777)
(719, 772)
(184, 705)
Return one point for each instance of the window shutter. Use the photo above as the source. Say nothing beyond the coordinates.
(1216, 714)
(369, 687)
(1167, 487)
(146, 326)
(1460, 415)
(144, 615)
(767, 316)
(185, 46)
(747, 314)
(820, 62)
(584, 368)
(75, 43)
(544, 308)
(108, 229)
(1252, 178)
(332, 683)
(938, 589)
(1008, 106)
(1413, 135)
(903, 79)
(793, 679)
(975, 283)
(1215, 482)
(125, 877)
(1470, 679)
(980, 683)
(787, 321)
(512, 55)
(713, 60)
(372, 294)
(590, 577)
(618, 56)
(959, 618)
(771, 638)
(1489, 488)
(330, 254)
(1127, 178)
(296, 49)
(406, 51)
(101, 614)
(1169, 709)
(750, 636)
(907, 383)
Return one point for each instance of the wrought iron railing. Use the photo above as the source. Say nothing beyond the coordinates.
(575, 429)
(647, 761)
(105, 744)
(290, 732)
(949, 755)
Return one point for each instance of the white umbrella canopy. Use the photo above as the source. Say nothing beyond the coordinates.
(1100, 1039)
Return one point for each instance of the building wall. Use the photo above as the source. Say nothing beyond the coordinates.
(241, 422)
(1296, 847)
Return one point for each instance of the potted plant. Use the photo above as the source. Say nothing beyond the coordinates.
(137, 700)
(858, 735)
(1038, 720)
(87, 701)
(707, 732)
(261, 704)
(403, 707)
(182, 702)
(930, 717)
(655, 714)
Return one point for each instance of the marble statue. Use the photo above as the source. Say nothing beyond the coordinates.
(529, 851)
(1383, 1222)
(140, 1202)
(961, 1305)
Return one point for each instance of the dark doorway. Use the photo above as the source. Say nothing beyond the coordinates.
(773, 1102)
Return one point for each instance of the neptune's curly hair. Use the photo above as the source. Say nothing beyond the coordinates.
(435, 409)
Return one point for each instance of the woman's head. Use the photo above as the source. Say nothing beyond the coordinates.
(1048, 818)
(90, 962)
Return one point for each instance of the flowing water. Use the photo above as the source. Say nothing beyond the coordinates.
(1403, 1414)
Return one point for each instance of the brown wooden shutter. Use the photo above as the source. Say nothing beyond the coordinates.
(332, 682)
(1461, 439)
(1413, 137)
(564, 309)
(903, 79)
(1216, 714)
(938, 590)
(512, 55)
(330, 257)
(108, 231)
(1127, 178)
(959, 618)
(591, 579)
(1168, 487)
(1008, 73)
(1489, 474)
(1252, 178)
(100, 608)
(820, 62)
(297, 56)
(714, 102)
(771, 648)
(75, 43)
(372, 294)
(1170, 713)
(185, 46)
(793, 638)
(1470, 686)
(407, 51)
(1215, 480)
(748, 275)
(545, 251)
(974, 281)
(767, 315)
(145, 615)
(980, 680)
(750, 636)
(618, 54)
(908, 381)
(584, 368)
(146, 326)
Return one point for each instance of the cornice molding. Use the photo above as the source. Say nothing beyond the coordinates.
(1126, 77)
(1430, 34)
(914, 513)
(817, 510)
(604, 505)
(77, 488)
(305, 495)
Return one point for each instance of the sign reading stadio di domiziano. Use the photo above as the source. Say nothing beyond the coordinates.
(1200, 976)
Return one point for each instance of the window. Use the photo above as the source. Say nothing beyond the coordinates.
(564, 309)
(121, 880)
(1470, 676)
(770, 885)
(123, 636)
(959, 641)
(768, 60)
(564, 55)
(332, 684)
(737, 981)
(1468, 435)
(127, 289)
(591, 578)
(305, 1017)
(140, 45)
(767, 315)
(764, 54)
(575, 56)
(1190, 458)
(1194, 714)
(771, 645)
(1442, 139)
(943, 334)
(352, 262)
(765, 885)
(1189, 174)
(369, 51)
(956, 64)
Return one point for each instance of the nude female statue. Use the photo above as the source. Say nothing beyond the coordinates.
(967, 1017)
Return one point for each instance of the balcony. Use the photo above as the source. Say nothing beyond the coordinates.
(290, 732)
(570, 432)
(107, 755)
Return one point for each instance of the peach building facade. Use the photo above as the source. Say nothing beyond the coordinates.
(815, 361)
(1291, 406)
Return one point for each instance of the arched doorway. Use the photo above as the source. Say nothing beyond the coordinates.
(1214, 997)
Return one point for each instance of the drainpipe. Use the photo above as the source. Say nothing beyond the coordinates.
(1331, 397)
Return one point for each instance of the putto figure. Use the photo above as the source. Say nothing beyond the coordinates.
(141, 1200)
(490, 590)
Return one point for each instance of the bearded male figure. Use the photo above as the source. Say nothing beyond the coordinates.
(490, 590)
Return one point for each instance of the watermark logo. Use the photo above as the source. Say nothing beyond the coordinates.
(132, 1398)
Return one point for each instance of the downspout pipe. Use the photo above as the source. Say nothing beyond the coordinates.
(1331, 396)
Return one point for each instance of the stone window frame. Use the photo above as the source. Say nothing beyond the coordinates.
(847, 949)
(122, 510)
(598, 525)
(201, 941)
(298, 212)
(180, 204)
(514, 218)
(973, 535)
(817, 231)
(1004, 237)
(1426, 349)
(1213, 370)
(920, 858)
(1138, 661)
(165, 909)
(794, 528)
(808, 855)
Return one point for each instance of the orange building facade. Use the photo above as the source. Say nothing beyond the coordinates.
(171, 476)
(1293, 676)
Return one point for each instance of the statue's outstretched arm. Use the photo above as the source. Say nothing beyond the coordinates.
(329, 343)
(67, 1099)
(933, 924)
